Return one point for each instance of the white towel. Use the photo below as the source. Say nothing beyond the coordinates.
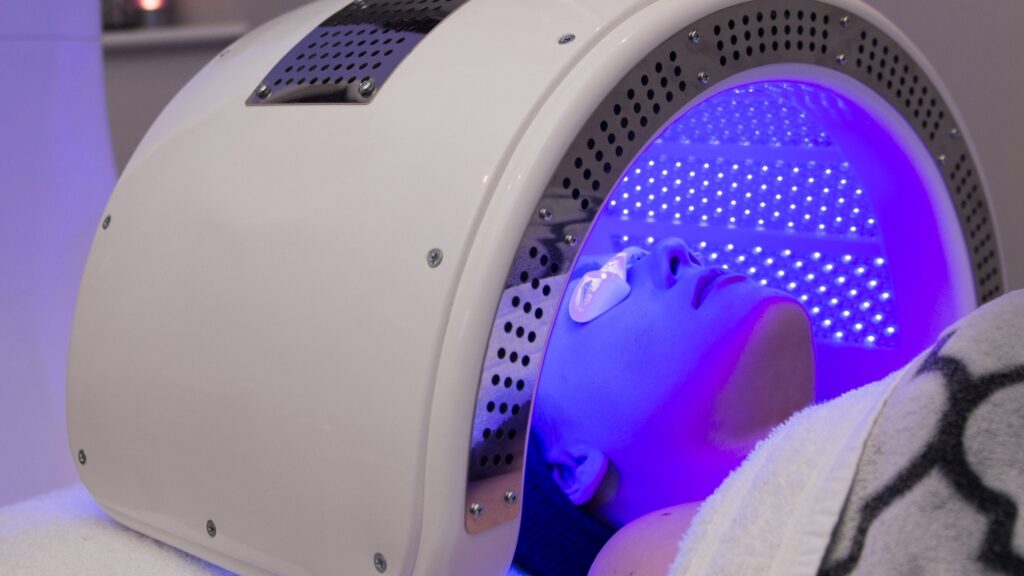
(861, 485)
(774, 515)
(65, 532)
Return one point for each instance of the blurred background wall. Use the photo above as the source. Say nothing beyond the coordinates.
(55, 175)
(59, 159)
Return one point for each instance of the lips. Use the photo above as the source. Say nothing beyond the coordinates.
(710, 280)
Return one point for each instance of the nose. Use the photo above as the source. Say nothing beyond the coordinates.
(668, 261)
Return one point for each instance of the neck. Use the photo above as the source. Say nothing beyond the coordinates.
(773, 378)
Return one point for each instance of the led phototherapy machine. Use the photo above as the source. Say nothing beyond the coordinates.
(315, 312)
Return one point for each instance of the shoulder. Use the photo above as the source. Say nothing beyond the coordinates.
(646, 545)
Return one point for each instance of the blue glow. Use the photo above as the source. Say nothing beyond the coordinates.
(752, 182)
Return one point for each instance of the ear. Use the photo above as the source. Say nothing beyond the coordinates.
(579, 472)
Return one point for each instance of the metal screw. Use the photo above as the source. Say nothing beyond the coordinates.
(262, 91)
(954, 134)
(566, 38)
(211, 528)
(367, 88)
(841, 59)
(545, 214)
(81, 457)
(511, 497)
(434, 257)
(476, 509)
(106, 222)
(703, 77)
(941, 158)
(380, 563)
(570, 239)
(844, 21)
(694, 37)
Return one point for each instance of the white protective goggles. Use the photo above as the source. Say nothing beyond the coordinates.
(600, 290)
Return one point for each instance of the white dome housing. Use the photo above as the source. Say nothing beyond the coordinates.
(313, 318)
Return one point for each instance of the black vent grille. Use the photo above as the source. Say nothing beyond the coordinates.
(348, 57)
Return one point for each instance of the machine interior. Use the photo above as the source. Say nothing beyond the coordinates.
(803, 190)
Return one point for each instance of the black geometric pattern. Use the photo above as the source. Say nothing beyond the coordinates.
(945, 454)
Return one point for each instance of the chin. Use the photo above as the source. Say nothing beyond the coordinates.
(747, 299)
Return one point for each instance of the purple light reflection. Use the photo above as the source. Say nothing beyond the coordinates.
(805, 191)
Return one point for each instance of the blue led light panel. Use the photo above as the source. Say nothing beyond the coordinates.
(751, 181)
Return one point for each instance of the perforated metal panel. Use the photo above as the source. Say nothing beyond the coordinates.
(716, 47)
(348, 57)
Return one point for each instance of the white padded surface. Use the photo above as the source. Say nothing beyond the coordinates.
(65, 532)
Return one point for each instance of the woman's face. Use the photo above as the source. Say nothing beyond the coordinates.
(644, 381)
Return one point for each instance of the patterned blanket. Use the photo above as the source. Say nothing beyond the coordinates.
(938, 484)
